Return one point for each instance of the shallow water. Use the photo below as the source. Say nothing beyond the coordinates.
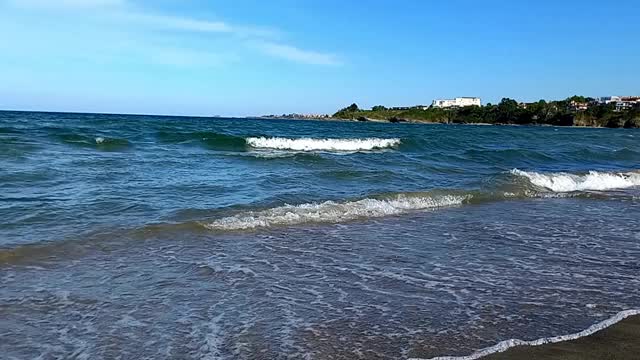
(140, 236)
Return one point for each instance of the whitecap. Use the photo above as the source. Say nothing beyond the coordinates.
(594, 180)
(309, 144)
(334, 212)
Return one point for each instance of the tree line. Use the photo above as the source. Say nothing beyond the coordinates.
(573, 111)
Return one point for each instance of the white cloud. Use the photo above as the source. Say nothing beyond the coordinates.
(196, 25)
(125, 11)
(178, 23)
(293, 53)
(125, 14)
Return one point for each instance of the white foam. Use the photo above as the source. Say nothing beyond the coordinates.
(308, 144)
(506, 345)
(564, 182)
(99, 140)
(333, 212)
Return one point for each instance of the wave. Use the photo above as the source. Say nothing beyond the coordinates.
(506, 345)
(591, 155)
(495, 155)
(8, 130)
(208, 139)
(15, 147)
(97, 142)
(594, 180)
(538, 185)
(309, 144)
(333, 212)
(226, 142)
(281, 155)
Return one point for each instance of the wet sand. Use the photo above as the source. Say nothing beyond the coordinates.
(618, 342)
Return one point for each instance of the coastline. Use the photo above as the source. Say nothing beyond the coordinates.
(575, 110)
(615, 338)
(417, 122)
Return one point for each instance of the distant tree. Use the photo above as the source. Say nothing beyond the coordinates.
(604, 110)
(507, 104)
(470, 115)
(353, 107)
(508, 111)
(348, 112)
(578, 99)
(537, 112)
(378, 108)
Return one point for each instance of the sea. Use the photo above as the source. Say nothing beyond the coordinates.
(149, 237)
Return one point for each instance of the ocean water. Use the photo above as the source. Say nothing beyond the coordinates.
(165, 237)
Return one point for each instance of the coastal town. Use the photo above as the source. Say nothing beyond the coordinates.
(607, 111)
(576, 103)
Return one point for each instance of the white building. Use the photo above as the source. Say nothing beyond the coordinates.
(622, 102)
(457, 102)
(610, 99)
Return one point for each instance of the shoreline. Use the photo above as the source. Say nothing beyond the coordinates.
(617, 337)
(411, 121)
(415, 122)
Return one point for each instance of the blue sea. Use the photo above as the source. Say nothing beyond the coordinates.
(147, 237)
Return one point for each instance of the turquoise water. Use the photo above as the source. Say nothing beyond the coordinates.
(174, 237)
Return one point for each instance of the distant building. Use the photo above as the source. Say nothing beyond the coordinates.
(627, 102)
(297, 116)
(578, 106)
(457, 102)
(609, 99)
(622, 102)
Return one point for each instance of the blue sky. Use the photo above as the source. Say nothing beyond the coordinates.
(256, 57)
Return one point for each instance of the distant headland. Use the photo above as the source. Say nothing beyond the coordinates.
(610, 111)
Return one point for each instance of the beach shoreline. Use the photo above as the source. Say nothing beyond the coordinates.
(615, 338)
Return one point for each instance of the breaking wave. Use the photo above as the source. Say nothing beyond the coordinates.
(594, 180)
(221, 141)
(333, 212)
(538, 185)
(506, 345)
(308, 144)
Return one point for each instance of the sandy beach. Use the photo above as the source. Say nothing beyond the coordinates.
(620, 342)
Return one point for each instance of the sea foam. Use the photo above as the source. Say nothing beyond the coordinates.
(594, 180)
(334, 212)
(308, 144)
(506, 345)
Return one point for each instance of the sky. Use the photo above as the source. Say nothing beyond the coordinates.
(255, 57)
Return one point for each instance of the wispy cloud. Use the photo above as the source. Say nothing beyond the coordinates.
(196, 25)
(178, 23)
(292, 53)
(267, 41)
